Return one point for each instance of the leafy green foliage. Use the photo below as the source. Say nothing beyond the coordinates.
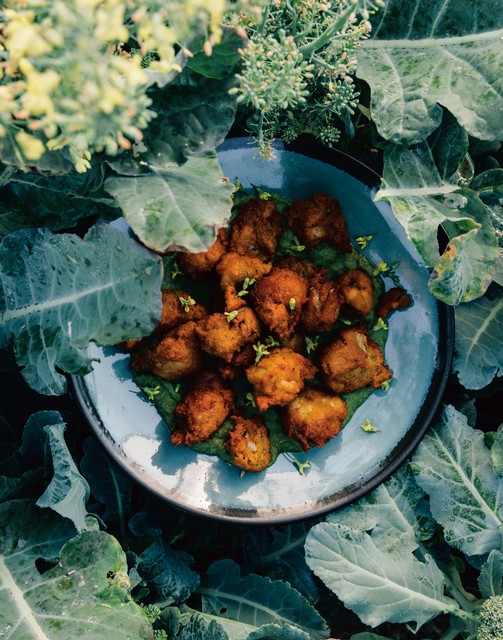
(408, 90)
(85, 593)
(52, 288)
(453, 466)
(479, 327)
(255, 600)
(68, 491)
(428, 189)
(175, 207)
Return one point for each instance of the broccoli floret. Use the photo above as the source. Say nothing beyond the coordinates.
(491, 619)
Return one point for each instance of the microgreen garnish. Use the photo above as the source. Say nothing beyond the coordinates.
(231, 315)
(301, 466)
(380, 324)
(291, 304)
(385, 385)
(250, 400)
(187, 303)
(262, 348)
(295, 245)
(311, 343)
(370, 428)
(246, 284)
(176, 270)
(345, 321)
(151, 392)
(362, 241)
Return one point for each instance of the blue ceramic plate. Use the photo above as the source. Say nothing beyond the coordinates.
(418, 351)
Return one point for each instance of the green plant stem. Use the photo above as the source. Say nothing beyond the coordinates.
(318, 43)
(450, 634)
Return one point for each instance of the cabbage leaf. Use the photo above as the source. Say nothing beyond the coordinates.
(59, 292)
(425, 55)
(453, 466)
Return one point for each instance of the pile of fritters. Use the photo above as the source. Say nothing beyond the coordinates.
(262, 310)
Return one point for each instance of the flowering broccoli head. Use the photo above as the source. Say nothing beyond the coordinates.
(491, 619)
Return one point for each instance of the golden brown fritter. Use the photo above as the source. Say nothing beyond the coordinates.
(313, 417)
(178, 307)
(203, 409)
(278, 377)
(357, 289)
(223, 336)
(240, 360)
(322, 307)
(303, 266)
(249, 444)
(319, 219)
(177, 355)
(353, 361)
(200, 263)
(278, 298)
(296, 342)
(391, 300)
(233, 269)
(255, 229)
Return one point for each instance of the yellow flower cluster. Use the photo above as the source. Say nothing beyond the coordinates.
(74, 74)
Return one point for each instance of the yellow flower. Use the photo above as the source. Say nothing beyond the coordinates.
(23, 37)
(110, 98)
(110, 23)
(36, 99)
(32, 148)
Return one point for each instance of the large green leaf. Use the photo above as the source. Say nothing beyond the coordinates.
(193, 117)
(453, 466)
(175, 206)
(68, 491)
(478, 355)
(424, 53)
(256, 600)
(167, 571)
(378, 583)
(59, 292)
(426, 196)
(85, 594)
(398, 504)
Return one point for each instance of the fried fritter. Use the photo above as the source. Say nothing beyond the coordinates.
(255, 229)
(203, 409)
(391, 300)
(177, 355)
(178, 307)
(313, 417)
(200, 263)
(357, 289)
(321, 310)
(303, 266)
(233, 269)
(223, 336)
(278, 377)
(353, 361)
(319, 219)
(249, 444)
(278, 298)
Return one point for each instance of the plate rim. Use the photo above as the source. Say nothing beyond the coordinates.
(310, 147)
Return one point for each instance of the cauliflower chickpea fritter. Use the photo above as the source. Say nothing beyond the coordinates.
(322, 307)
(233, 270)
(313, 417)
(178, 307)
(177, 355)
(224, 336)
(357, 289)
(203, 409)
(200, 263)
(278, 298)
(391, 300)
(319, 219)
(249, 444)
(278, 377)
(353, 361)
(255, 229)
